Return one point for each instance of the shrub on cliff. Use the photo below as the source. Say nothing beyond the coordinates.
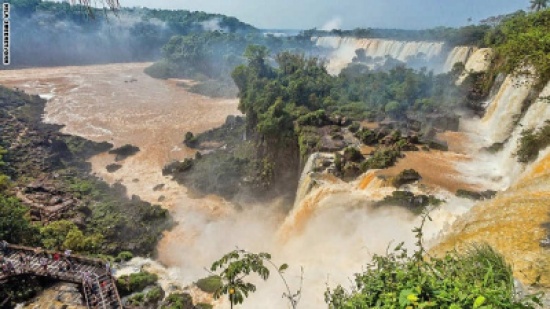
(15, 226)
(129, 284)
(178, 301)
(405, 177)
(532, 142)
(382, 158)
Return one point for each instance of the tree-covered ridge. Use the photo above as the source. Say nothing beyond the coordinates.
(467, 35)
(132, 34)
(180, 21)
(215, 54)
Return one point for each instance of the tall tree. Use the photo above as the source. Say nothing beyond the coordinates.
(234, 266)
(113, 5)
(537, 5)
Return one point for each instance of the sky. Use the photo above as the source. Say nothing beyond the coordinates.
(345, 14)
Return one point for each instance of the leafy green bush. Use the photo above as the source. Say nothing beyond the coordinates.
(154, 295)
(367, 137)
(532, 142)
(15, 225)
(137, 299)
(209, 284)
(352, 154)
(129, 284)
(479, 278)
(473, 195)
(354, 127)
(414, 203)
(382, 158)
(190, 139)
(178, 301)
(405, 177)
(161, 69)
(124, 256)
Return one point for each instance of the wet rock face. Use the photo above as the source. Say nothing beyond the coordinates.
(59, 296)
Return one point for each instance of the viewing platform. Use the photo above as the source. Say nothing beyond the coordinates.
(97, 285)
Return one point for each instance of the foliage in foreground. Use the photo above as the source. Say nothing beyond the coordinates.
(129, 284)
(478, 278)
(237, 265)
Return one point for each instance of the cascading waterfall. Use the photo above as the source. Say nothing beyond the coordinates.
(344, 50)
(435, 55)
(513, 222)
(306, 182)
(504, 109)
(534, 118)
(458, 54)
(501, 124)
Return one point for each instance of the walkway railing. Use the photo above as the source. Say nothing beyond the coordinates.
(98, 286)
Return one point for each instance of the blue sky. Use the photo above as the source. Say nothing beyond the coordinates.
(347, 14)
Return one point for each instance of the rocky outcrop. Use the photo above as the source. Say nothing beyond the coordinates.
(406, 177)
(124, 152)
(48, 202)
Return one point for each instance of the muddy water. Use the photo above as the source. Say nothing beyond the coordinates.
(118, 103)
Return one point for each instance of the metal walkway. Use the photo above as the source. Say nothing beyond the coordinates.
(98, 286)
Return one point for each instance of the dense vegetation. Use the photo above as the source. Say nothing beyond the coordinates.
(532, 142)
(477, 278)
(288, 101)
(210, 57)
(87, 35)
(522, 42)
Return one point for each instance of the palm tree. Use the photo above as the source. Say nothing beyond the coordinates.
(537, 5)
(113, 5)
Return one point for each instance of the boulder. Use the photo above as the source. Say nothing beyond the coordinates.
(406, 177)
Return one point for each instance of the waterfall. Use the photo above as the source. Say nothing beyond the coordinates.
(513, 222)
(503, 110)
(306, 182)
(535, 117)
(458, 54)
(479, 61)
(433, 55)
